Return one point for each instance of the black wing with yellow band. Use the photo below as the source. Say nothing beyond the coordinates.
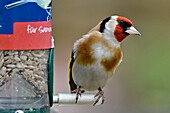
(73, 86)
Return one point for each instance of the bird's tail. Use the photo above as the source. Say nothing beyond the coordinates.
(15, 4)
(73, 86)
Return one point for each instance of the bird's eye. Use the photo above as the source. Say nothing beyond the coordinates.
(121, 22)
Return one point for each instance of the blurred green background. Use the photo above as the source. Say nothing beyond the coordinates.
(141, 83)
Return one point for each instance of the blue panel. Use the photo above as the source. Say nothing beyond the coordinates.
(29, 12)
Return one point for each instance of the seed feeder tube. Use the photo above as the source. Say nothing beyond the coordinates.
(26, 56)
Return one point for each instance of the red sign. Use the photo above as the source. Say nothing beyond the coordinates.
(27, 36)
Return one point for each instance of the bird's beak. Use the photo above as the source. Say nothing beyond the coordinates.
(132, 31)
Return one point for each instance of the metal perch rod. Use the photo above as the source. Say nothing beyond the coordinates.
(69, 99)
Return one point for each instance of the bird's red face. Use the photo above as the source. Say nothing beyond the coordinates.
(124, 28)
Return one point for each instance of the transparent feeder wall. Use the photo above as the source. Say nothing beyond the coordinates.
(26, 56)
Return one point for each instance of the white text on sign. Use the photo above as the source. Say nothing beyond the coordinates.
(40, 29)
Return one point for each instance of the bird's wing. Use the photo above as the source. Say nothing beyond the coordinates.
(73, 86)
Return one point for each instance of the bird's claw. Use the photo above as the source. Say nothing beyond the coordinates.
(78, 92)
(99, 95)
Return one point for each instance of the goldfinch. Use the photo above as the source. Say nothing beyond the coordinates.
(96, 55)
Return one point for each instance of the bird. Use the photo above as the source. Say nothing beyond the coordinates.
(96, 55)
(42, 3)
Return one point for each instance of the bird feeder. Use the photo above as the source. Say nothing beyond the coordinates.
(26, 56)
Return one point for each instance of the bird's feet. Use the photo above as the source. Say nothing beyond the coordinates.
(99, 95)
(78, 92)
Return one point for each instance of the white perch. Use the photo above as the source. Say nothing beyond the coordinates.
(69, 99)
